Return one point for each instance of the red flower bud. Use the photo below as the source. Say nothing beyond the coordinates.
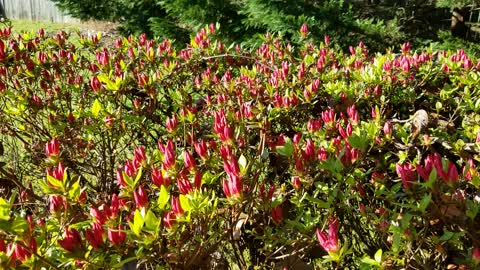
(94, 236)
(158, 179)
(476, 255)
(95, 84)
(171, 124)
(52, 148)
(189, 161)
(117, 236)
(296, 182)
(169, 219)
(202, 149)
(71, 241)
(176, 207)
(277, 214)
(140, 197)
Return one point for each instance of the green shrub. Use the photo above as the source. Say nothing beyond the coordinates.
(208, 156)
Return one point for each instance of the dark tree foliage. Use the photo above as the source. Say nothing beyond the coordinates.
(379, 24)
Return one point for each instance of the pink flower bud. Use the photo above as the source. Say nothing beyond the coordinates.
(406, 47)
(314, 125)
(176, 207)
(184, 185)
(406, 173)
(232, 186)
(326, 40)
(452, 172)
(322, 153)
(387, 129)
(304, 30)
(296, 138)
(329, 242)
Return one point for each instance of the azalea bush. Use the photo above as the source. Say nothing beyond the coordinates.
(210, 157)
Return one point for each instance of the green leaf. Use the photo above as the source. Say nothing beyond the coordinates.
(4, 210)
(81, 225)
(19, 225)
(185, 203)
(74, 192)
(163, 198)
(122, 263)
(96, 108)
(139, 176)
(54, 182)
(286, 149)
(423, 204)
(151, 221)
(369, 261)
(242, 161)
(128, 180)
(138, 222)
(378, 255)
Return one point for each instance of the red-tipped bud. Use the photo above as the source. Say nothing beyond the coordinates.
(387, 129)
(406, 173)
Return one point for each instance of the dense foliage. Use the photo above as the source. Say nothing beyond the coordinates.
(209, 156)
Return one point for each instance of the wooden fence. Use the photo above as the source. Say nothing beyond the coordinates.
(35, 10)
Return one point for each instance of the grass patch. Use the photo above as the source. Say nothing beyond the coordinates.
(26, 26)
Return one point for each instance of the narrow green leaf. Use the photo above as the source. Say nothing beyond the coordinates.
(138, 222)
(286, 149)
(96, 108)
(4, 210)
(185, 203)
(163, 198)
(54, 181)
(151, 221)
(378, 256)
(423, 204)
(242, 161)
(74, 192)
